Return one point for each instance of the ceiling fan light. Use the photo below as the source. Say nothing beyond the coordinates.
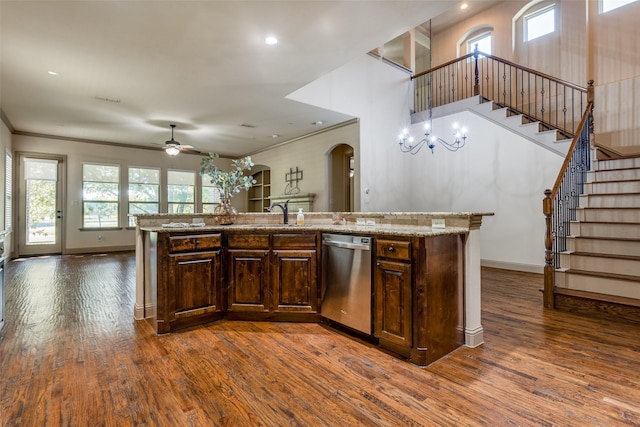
(172, 151)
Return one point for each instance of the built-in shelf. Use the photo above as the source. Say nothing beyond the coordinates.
(260, 192)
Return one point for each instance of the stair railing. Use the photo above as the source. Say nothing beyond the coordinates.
(554, 103)
(559, 204)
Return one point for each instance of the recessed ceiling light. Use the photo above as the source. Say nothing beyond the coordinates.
(463, 6)
(318, 123)
(275, 135)
(53, 73)
(271, 40)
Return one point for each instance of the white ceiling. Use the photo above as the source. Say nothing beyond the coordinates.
(202, 65)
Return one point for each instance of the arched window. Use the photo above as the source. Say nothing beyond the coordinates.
(480, 35)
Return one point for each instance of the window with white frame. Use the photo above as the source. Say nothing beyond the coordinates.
(181, 191)
(210, 195)
(540, 23)
(8, 191)
(609, 5)
(483, 41)
(100, 195)
(144, 192)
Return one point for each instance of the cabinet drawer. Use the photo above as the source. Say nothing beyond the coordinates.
(248, 241)
(194, 242)
(393, 249)
(285, 241)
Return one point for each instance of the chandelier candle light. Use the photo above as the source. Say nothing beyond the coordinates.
(408, 146)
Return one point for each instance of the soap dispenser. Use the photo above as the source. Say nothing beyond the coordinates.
(300, 217)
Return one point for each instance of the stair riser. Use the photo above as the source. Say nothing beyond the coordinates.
(612, 187)
(610, 201)
(617, 164)
(621, 231)
(608, 215)
(606, 247)
(614, 175)
(622, 288)
(600, 265)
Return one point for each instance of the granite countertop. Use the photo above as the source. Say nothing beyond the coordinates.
(380, 229)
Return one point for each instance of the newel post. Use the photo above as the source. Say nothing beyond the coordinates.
(549, 262)
(476, 84)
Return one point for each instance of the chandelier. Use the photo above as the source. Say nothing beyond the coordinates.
(407, 144)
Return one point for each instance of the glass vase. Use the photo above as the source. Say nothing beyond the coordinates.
(225, 213)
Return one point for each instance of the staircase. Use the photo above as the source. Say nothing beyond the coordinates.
(602, 258)
(534, 131)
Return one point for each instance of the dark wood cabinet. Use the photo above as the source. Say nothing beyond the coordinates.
(393, 295)
(190, 280)
(248, 273)
(272, 276)
(295, 273)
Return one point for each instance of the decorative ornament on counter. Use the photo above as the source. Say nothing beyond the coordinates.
(228, 184)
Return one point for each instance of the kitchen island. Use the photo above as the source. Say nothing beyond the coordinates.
(425, 295)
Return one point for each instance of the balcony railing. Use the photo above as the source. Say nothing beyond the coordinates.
(554, 103)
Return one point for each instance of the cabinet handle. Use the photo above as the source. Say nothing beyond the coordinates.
(391, 249)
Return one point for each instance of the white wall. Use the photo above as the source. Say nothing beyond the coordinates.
(496, 172)
(76, 240)
(378, 94)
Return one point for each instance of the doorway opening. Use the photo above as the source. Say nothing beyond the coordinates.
(40, 205)
(341, 178)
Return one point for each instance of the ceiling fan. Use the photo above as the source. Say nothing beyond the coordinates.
(173, 147)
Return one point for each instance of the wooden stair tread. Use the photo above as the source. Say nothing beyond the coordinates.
(612, 256)
(612, 181)
(597, 296)
(613, 207)
(604, 275)
(617, 239)
(606, 222)
(635, 193)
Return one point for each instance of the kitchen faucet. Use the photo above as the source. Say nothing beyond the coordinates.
(285, 210)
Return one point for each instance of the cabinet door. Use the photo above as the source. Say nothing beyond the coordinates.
(392, 316)
(196, 283)
(248, 280)
(295, 280)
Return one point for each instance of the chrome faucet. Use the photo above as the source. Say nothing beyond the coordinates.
(285, 210)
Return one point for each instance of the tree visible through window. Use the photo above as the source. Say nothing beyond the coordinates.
(100, 195)
(540, 23)
(210, 195)
(181, 191)
(144, 192)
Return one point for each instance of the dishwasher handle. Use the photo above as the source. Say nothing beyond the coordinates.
(346, 245)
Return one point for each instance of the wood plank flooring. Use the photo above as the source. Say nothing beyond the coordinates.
(72, 355)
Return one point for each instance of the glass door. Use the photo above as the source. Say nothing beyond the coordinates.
(40, 219)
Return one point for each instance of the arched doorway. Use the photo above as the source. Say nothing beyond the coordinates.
(341, 178)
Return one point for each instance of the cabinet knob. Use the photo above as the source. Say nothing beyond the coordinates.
(267, 253)
(197, 242)
(391, 249)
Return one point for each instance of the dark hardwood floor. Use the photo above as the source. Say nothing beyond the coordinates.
(72, 355)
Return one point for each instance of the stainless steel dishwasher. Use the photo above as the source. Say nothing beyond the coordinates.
(346, 280)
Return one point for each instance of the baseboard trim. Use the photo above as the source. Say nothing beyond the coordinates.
(525, 268)
(474, 338)
(99, 250)
(138, 312)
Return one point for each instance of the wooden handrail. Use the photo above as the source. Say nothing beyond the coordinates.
(507, 62)
(572, 148)
(446, 64)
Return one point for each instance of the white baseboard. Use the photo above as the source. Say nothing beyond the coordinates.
(526, 268)
(474, 338)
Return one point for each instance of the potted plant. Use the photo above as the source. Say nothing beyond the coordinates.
(228, 184)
